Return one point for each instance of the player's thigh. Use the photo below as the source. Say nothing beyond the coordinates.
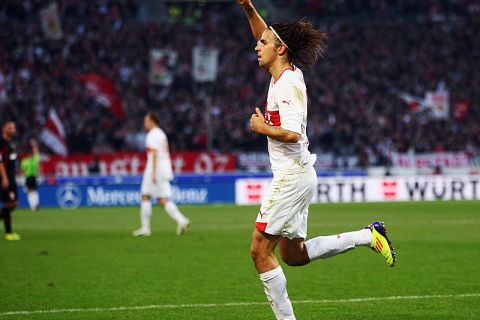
(160, 189)
(297, 223)
(276, 208)
(284, 209)
(262, 243)
(163, 190)
(31, 183)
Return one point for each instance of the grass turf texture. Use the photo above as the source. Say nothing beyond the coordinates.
(88, 259)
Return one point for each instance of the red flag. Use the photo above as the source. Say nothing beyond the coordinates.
(53, 134)
(460, 109)
(103, 89)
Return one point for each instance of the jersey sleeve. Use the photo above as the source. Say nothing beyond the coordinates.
(290, 101)
(153, 142)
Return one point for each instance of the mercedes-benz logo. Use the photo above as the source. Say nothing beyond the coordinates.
(69, 196)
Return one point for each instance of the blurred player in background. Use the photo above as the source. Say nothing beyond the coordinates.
(282, 219)
(156, 178)
(8, 193)
(30, 166)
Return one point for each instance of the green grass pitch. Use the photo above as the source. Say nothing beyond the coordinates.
(87, 260)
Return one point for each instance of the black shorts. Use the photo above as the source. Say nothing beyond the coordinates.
(10, 194)
(31, 183)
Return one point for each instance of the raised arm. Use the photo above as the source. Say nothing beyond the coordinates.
(257, 24)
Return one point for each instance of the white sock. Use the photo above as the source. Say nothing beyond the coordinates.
(33, 200)
(174, 213)
(329, 246)
(145, 214)
(275, 285)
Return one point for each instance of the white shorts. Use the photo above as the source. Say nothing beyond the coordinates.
(284, 209)
(162, 189)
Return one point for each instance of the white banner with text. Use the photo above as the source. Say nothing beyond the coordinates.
(373, 189)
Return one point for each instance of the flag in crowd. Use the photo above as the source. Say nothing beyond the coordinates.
(104, 92)
(50, 21)
(162, 66)
(53, 134)
(436, 103)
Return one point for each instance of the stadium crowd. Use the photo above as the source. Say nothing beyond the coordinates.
(377, 50)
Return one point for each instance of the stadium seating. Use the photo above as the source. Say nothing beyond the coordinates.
(376, 52)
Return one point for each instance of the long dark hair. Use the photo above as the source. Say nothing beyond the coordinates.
(305, 43)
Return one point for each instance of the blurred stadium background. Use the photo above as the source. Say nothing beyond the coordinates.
(394, 115)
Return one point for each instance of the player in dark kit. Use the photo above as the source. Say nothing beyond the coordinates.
(8, 193)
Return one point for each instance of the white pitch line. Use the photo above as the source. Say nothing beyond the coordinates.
(235, 304)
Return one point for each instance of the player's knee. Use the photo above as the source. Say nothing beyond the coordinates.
(258, 252)
(258, 255)
(162, 202)
(11, 205)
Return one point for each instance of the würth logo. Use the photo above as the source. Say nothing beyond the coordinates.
(389, 189)
(254, 191)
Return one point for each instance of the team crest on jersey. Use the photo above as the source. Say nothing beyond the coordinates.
(272, 118)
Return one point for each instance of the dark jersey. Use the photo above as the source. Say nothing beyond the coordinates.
(8, 156)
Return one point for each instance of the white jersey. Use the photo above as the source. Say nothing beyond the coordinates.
(157, 141)
(287, 107)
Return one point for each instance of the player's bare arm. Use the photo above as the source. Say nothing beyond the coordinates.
(259, 125)
(154, 167)
(257, 24)
(3, 173)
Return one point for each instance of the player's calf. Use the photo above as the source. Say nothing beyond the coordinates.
(293, 252)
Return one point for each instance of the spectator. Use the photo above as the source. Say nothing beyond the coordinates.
(377, 49)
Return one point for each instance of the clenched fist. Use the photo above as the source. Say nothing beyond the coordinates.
(257, 121)
(244, 2)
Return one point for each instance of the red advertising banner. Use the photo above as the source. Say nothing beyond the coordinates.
(431, 160)
(133, 163)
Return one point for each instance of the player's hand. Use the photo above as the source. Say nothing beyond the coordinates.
(257, 121)
(5, 184)
(244, 2)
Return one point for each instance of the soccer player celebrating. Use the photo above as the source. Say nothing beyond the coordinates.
(282, 219)
(8, 193)
(30, 167)
(156, 179)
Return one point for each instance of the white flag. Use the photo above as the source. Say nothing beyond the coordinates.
(439, 103)
(3, 89)
(53, 134)
(51, 25)
(162, 66)
(205, 64)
